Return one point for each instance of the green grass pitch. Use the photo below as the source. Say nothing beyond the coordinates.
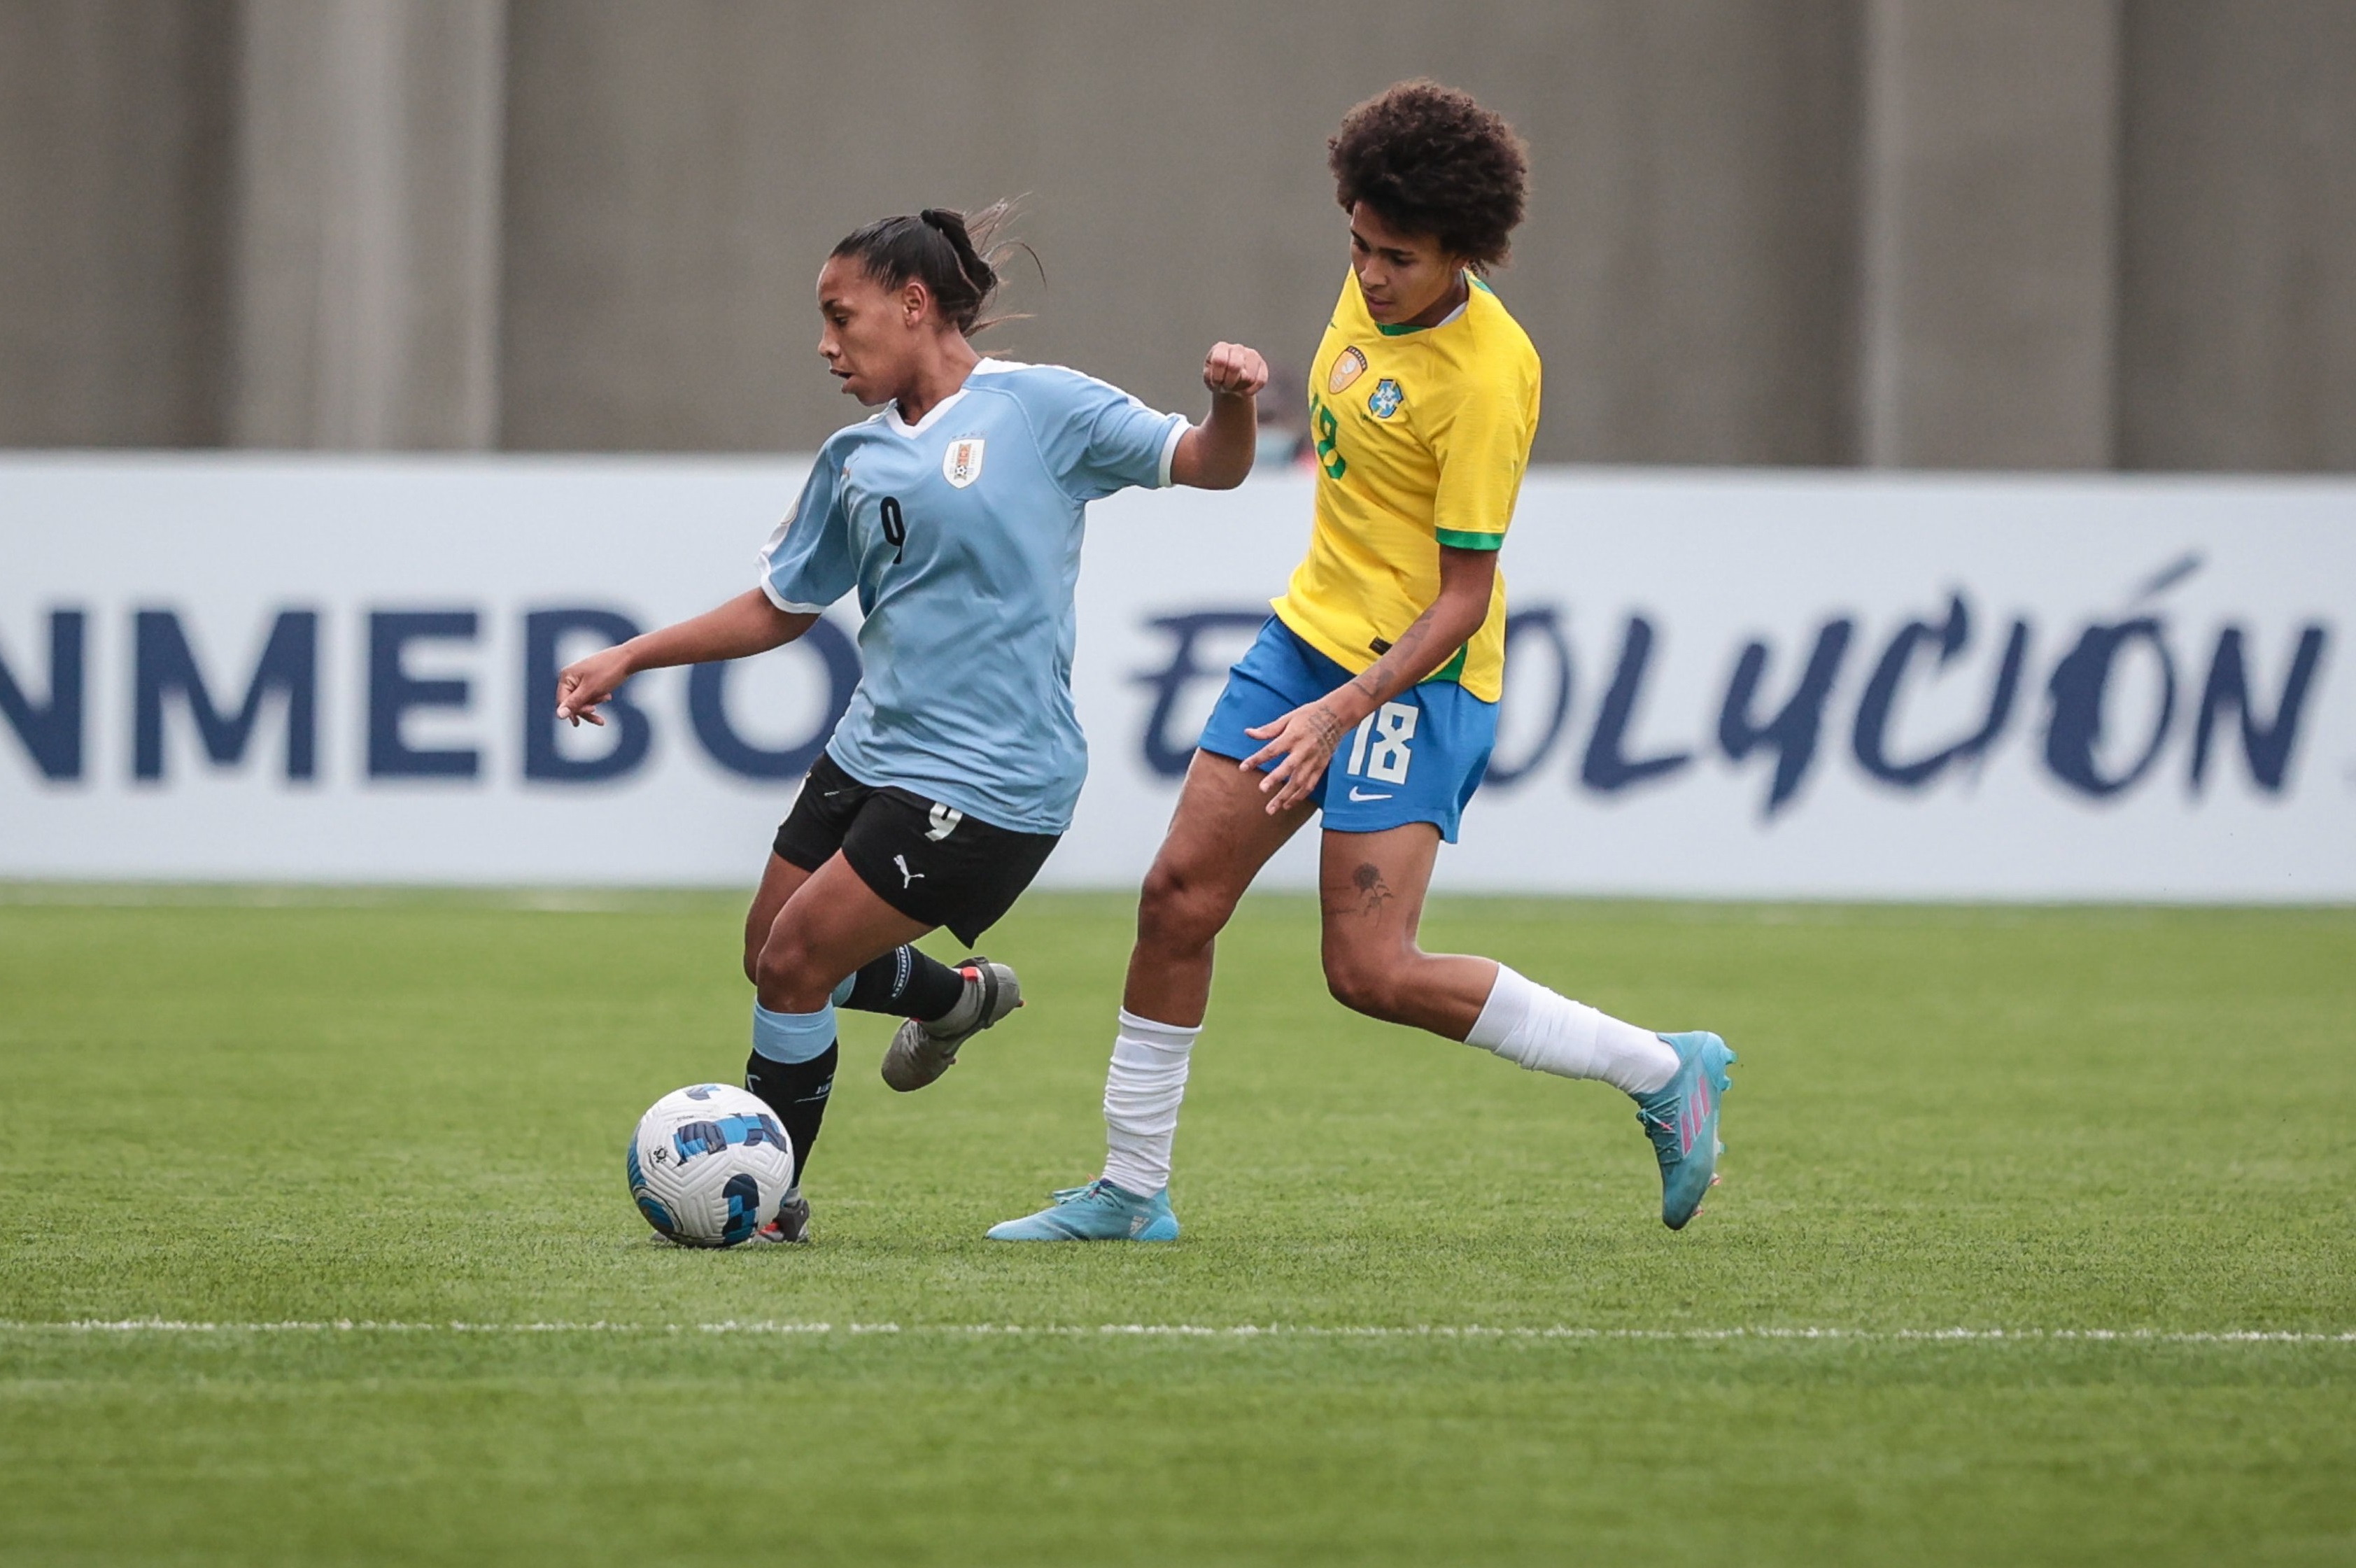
(2120, 1137)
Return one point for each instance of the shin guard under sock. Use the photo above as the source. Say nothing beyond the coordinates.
(797, 1091)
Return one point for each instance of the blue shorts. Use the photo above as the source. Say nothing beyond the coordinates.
(1418, 758)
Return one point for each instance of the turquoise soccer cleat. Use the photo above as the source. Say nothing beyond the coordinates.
(1681, 1118)
(1099, 1212)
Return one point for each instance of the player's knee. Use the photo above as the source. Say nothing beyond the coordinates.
(1176, 911)
(1363, 983)
(786, 979)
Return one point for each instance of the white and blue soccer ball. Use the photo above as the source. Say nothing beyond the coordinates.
(708, 1164)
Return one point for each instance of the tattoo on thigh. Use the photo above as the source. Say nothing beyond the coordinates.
(1373, 891)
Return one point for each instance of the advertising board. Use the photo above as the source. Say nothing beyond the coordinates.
(1719, 684)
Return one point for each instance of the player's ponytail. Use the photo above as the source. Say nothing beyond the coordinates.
(972, 266)
(954, 254)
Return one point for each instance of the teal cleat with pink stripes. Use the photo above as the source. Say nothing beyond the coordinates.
(1681, 1118)
(1101, 1212)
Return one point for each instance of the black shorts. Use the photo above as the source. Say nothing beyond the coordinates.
(926, 861)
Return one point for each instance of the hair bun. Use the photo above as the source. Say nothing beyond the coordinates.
(961, 272)
(950, 225)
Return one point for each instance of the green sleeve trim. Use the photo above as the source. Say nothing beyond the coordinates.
(1453, 670)
(1456, 539)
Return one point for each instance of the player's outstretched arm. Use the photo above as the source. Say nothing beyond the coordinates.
(744, 625)
(1217, 453)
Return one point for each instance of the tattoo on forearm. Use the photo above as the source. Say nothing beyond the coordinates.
(1400, 667)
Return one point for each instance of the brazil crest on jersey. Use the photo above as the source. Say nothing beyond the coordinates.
(962, 535)
(1423, 435)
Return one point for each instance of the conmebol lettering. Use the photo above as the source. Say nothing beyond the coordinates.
(52, 730)
(544, 633)
(164, 668)
(707, 710)
(393, 693)
(167, 674)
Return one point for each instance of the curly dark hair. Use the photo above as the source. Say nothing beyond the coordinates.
(1430, 160)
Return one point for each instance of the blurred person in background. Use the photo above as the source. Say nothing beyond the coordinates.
(1284, 439)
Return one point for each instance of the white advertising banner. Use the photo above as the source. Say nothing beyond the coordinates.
(1721, 684)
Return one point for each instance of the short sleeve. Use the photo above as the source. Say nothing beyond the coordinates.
(1098, 439)
(808, 563)
(1480, 439)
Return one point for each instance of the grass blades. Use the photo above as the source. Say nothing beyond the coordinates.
(257, 1108)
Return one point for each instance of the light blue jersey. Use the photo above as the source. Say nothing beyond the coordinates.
(961, 534)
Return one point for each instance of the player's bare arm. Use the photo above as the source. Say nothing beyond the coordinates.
(1305, 738)
(1217, 453)
(746, 624)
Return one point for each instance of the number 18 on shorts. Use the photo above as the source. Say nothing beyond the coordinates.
(1418, 758)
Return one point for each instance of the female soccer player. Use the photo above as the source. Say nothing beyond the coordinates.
(955, 512)
(1386, 652)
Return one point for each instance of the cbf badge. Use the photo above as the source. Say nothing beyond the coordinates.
(1386, 398)
(962, 463)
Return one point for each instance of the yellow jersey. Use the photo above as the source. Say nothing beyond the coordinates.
(1423, 435)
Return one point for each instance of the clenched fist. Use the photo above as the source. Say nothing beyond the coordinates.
(1232, 370)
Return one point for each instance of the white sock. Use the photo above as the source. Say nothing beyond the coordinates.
(1143, 1088)
(1524, 1023)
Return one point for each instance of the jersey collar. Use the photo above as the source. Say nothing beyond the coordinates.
(892, 420)
(1403, 329)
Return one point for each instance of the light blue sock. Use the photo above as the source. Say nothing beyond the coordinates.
(792, 1037)
(842, 992)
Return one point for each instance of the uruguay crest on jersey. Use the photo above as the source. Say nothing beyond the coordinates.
(962, 463)
(965, 589)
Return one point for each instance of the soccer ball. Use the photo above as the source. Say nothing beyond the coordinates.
(708, 1164)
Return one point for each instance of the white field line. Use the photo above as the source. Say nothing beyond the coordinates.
(1216, 1331)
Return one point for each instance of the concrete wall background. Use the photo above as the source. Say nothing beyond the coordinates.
(116, 123)
(2237, 285)
(365, 282)
(2023, 233)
